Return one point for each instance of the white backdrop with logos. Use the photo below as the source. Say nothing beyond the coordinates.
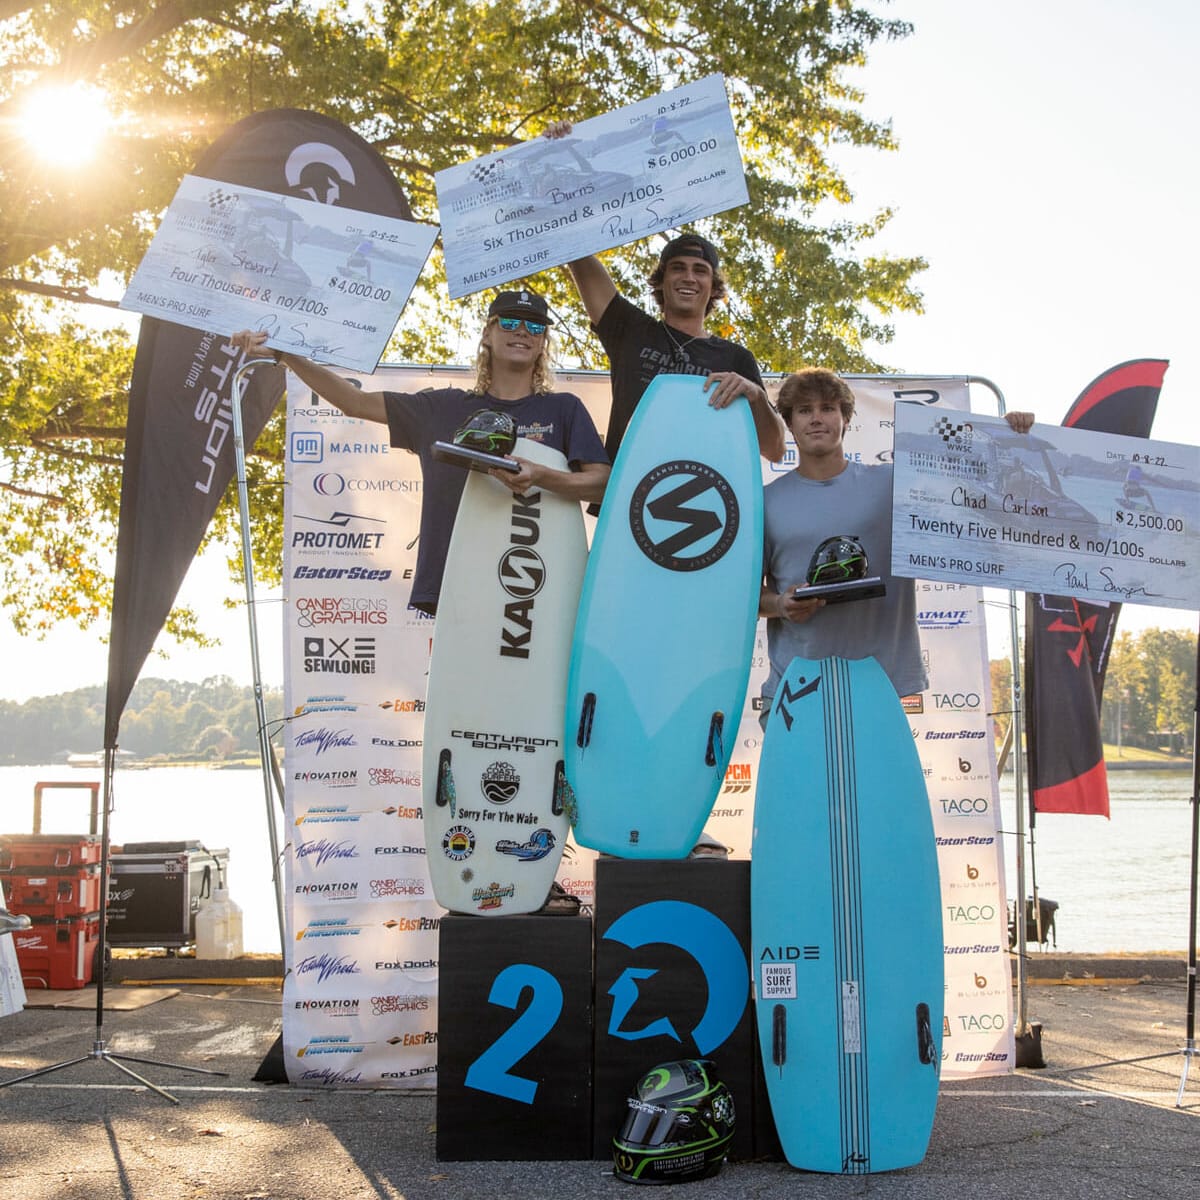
(361, 988)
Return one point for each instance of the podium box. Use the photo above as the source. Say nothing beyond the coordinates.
(672, 980)
(514, 1038)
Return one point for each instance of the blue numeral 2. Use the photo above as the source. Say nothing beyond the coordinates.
(490, 1071)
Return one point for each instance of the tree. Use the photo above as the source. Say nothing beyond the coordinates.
(430, 83)
(1169, 656)
(1151, 686)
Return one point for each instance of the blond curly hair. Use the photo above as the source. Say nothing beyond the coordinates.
(543, 368)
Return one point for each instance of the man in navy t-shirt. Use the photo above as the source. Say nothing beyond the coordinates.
(513, 375)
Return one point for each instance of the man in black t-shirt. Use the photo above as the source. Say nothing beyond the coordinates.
(686, 285)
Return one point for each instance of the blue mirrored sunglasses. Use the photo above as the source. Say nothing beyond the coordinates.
(510, 324)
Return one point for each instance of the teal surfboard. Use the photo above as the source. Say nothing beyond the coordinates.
(666, 623)
(845, 915)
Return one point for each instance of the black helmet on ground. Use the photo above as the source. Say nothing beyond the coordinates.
(678, 1126)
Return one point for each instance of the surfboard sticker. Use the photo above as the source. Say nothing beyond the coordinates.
(666, 624)
(496, 807)
(844, 891)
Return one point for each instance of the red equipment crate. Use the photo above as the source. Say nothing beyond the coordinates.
(55, 894)
(34, 853)
(59, 955)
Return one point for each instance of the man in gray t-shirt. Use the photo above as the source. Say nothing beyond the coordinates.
(824, 496)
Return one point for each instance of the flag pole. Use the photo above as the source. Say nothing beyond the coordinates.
(1189, 1049)
(265, 751)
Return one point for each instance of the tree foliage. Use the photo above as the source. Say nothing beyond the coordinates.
(1150, 689)
(165, 717)
(430, 83)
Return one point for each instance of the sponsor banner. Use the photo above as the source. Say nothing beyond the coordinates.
(620, 177)
(1072, 512)
(363, 1031)
(323, 281)
(384, 712)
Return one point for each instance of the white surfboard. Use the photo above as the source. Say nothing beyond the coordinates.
(494, 792)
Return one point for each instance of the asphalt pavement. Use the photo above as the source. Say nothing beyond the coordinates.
(1100, 1120)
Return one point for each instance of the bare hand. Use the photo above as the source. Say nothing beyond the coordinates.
(1019, 422)
(518, 482)
(252, 343)
(557, 129)
(729, 386)
(798, 611)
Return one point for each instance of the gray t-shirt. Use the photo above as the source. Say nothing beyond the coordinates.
(799, 514)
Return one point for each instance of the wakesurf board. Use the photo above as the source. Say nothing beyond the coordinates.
(845, 914)
(493, 791)
(666, 624)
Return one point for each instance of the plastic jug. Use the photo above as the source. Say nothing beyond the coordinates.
(219, 927)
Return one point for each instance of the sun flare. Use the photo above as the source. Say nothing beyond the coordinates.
(65, 125)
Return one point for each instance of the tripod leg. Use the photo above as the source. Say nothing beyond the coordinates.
(1187, 1062)
(154, 1062)
(43, 1071)
(144, 1082)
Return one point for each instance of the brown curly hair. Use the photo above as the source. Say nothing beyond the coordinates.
(814, 383)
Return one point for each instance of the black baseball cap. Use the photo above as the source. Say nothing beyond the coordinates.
(689, 245)
(520, 304)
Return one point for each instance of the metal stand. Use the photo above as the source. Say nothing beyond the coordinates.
(100, 1050)
(266, 755)
(1027, 1035)
(1189, 1049)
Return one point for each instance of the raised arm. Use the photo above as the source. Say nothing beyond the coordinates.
(340, 392)
(595, 285)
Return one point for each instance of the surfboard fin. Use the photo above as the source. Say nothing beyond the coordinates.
(926, 1047)
(586, 713)
(715, 751)
(563, 800)
(445, 782)
(779, 1035)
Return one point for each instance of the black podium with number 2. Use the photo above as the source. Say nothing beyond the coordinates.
(515, 1038)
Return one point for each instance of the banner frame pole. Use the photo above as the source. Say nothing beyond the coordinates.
(1028, 1034)
(1189, 1048)
(265, 751)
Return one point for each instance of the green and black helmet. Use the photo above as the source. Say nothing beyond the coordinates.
(488, 431)
(678, 1126)
(838, 559)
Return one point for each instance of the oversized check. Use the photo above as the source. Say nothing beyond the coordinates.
(642, 169)
(323, 281)
(1066, 511)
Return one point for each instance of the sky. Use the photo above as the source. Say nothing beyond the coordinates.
(1047, 171)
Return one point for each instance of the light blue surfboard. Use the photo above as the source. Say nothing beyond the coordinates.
(666, 623)
(845, 916)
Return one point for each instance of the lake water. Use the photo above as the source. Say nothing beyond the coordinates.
(1121, 885)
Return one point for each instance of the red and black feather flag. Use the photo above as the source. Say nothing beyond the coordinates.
(1067, 641)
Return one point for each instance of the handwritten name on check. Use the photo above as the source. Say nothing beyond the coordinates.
(1070, 512)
